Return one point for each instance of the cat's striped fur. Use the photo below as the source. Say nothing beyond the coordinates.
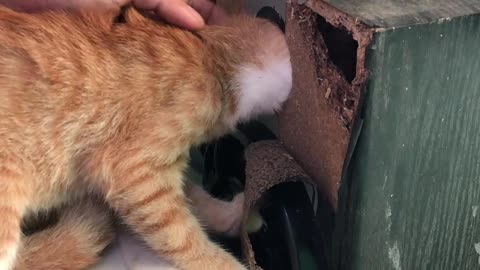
(90, 106)
(85, 228)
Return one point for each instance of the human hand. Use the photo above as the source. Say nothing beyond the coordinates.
(190, 14)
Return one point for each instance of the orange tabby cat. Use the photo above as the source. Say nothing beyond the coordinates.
(89, 105)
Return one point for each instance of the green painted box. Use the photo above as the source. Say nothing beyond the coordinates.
(387, 121)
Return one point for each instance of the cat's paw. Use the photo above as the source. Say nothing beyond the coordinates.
(254, 221)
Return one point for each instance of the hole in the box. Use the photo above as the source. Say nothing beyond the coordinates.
(289, 239)
(342, 48)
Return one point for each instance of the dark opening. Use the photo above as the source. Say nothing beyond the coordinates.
(342, 48)
(272, 15)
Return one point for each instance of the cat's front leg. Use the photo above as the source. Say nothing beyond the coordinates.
(150, 198)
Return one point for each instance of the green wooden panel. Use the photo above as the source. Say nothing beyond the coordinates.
(396, 13)
(414, 193)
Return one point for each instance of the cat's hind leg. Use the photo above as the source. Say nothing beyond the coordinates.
(84, 230)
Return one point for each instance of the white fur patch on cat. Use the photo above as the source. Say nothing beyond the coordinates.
(263, 90)
(8, 257)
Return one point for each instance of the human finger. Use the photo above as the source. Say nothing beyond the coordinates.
(177, 12)
(211, 13)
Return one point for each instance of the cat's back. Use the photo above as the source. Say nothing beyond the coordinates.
(41, 54)
(56, 59)
(23, 29)
(41, 60)
(63, 46)
(56, 62)
(39, 47)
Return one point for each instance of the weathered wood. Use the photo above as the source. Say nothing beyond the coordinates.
(316, 121)
(397, 13)
(410, 195)
(415, 176)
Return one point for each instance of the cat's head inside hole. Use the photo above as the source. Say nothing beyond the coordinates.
(249, 57)
(258, 68)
